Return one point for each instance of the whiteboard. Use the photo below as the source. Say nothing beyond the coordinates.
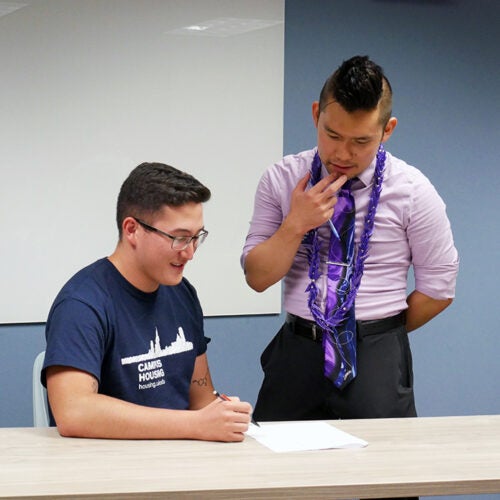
(89, 90)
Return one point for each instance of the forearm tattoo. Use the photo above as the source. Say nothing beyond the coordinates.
(202, 382)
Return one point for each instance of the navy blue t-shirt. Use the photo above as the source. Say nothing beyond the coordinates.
(140, 346)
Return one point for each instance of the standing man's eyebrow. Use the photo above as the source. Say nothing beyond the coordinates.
(330, 131)
(361, 138)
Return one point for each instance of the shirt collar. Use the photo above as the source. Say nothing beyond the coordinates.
(365, 178)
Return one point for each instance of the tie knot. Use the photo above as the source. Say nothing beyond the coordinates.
(347, 187)
(353, 184)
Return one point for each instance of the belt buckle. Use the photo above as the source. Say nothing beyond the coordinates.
(314, 334)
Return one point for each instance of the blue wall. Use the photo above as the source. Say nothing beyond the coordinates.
(442, 58)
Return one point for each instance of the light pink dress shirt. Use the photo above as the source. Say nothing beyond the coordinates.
(411, 229)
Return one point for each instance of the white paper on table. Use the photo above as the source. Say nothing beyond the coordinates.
(301, 436)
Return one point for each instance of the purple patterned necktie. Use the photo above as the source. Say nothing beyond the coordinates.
(344, 274)
(340, 344)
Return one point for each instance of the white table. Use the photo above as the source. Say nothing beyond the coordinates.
(418, 456)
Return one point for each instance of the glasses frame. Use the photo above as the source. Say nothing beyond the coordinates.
(182, 241)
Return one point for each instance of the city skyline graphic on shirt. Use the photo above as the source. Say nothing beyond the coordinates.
(180, 344)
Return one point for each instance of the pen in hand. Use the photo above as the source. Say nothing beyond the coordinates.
(226, 398)
(333, 228)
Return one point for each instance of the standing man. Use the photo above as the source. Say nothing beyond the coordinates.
(126, 354)
(343, 351)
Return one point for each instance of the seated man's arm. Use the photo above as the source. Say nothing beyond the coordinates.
(80, 411)
(201, 392)
(232, 415)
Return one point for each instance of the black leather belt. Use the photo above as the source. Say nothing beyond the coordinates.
(310, 330)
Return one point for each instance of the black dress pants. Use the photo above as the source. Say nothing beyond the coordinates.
(295, 388)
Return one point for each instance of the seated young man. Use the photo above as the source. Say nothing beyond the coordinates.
(126, 351)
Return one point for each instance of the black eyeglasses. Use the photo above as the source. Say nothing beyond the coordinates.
(178, 242)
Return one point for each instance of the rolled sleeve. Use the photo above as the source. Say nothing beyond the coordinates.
(434, 256)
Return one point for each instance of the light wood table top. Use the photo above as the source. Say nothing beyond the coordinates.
(415, 456)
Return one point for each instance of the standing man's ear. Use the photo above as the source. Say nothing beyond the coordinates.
(315, 113)
(389, 128)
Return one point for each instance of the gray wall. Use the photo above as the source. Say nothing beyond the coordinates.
(442, 59)
(90, 89)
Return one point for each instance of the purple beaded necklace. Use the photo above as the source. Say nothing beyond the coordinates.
(347, 300)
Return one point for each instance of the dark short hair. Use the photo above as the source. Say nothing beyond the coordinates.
(151, 186)
(359, 84)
